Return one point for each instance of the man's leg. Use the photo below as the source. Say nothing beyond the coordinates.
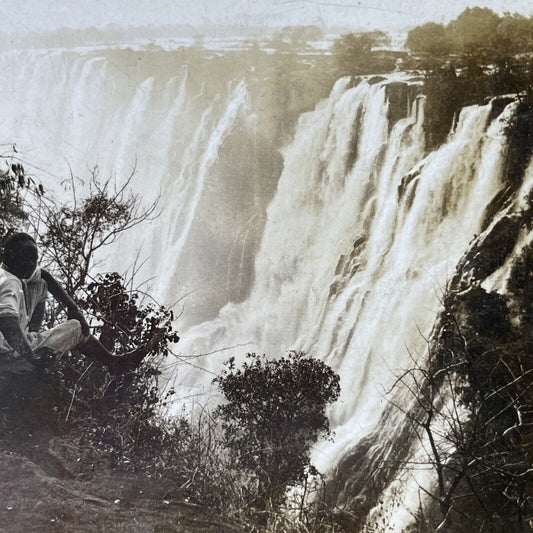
(68, 336)
(59, 339)
(94, 349)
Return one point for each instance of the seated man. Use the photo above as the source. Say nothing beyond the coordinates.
(23, 291)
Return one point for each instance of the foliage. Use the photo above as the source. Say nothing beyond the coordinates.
(124, 323)
(274, 411)
(75, 233)
(120, 413)
(514, 34)
(351, 46)
(430, 38)
(349, 50)
(478, 30)
(473, 28)
(352, 53)
(15, 186)
(379, 38)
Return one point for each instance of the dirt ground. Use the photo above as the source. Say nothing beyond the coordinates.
(47, 485)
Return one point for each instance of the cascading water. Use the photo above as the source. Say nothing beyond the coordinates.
(347, 249)
(155, 116)
(354, 250)
(360, 240)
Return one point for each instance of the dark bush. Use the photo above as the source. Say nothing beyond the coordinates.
(274, 411)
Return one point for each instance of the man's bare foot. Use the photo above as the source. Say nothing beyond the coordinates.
(133, 359)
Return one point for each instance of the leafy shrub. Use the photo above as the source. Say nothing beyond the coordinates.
(119, 414)
(274, 411)
(123, 323)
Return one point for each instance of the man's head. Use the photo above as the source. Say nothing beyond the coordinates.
(21, 254)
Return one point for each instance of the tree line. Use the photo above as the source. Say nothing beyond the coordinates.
(475, 29)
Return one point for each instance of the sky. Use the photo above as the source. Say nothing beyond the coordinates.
(36, 15)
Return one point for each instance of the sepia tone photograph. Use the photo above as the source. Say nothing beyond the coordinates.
(266, 266)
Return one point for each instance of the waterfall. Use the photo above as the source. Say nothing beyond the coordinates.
(154, 118)
(180, 222)
(351, 249)
(344, 254)
(356, 253)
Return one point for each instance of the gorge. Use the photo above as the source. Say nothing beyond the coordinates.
(293, 217)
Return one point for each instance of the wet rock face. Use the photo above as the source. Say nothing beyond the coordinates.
(484, 337)
(400, 96)
(520, 291)
(473, 319)
(520, 135)
(487, 253)
(480, 322)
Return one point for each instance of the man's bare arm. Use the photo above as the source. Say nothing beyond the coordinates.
(10, 329)
(61, 295)
(37, 317)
